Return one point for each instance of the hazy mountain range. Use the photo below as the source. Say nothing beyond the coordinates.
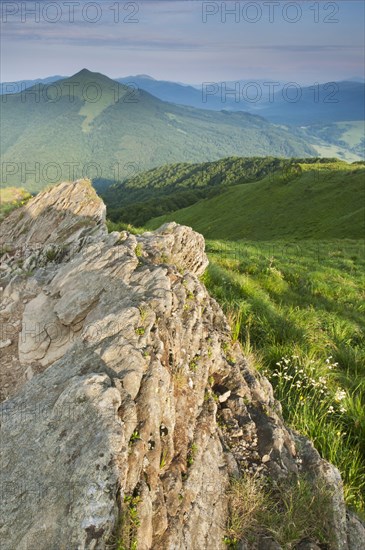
(282, 102)
(20, 85)
(89, 125)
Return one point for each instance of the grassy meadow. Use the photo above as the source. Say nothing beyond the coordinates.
(298, 310)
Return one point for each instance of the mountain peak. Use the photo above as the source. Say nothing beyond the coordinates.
(145, 76)
(91, 76)
(84, 72)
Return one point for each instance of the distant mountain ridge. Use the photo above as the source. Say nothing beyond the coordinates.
(91, 126)
(280, 102)
(20, 85)
(185, 94)
(320, 103)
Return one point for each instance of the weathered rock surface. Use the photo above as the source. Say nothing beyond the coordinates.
(124, 393)
(54, 217)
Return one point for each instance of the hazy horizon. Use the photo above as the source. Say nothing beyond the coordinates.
(354, 78)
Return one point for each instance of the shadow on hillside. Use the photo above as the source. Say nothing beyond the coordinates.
(319, 303)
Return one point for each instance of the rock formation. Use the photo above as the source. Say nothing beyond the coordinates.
(126, 408)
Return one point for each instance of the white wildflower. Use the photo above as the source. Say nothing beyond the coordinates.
(340, 395)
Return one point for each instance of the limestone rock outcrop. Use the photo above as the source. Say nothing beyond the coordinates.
(126, 407)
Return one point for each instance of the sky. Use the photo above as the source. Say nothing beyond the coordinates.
(184, 41)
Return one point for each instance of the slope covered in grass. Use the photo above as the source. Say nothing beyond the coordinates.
(168, 188)
(324, 200)
(298, 310)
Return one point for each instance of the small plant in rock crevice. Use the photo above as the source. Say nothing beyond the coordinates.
(163, 459)
(138, 250)
(129, 523)
(194, 363)
(192, 452)
(134, 437)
